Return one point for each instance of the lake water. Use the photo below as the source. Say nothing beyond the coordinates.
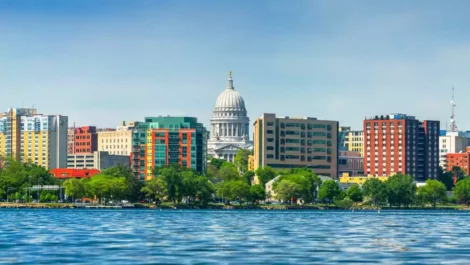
(233, 237)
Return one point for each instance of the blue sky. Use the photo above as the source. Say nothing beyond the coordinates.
(100, 62)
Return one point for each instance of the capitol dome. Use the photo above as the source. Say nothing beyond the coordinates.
(229, 125)
(230, 99)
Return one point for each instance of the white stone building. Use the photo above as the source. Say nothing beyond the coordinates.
(229, 125)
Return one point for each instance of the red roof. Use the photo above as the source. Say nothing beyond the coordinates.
(65, 173)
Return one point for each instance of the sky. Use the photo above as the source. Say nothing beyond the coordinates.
(100, 62)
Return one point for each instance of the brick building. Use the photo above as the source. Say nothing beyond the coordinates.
(401, 143)
(85, 140)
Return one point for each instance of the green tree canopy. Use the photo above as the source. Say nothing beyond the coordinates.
(354, 193)
(234, 190)
(433, 192)
(401, 190)
(258, 193)
(329, 190)
(134, 186)
(445, 177)
(241, 160)
(155, 189)
(74, 188)
(376, 190)
(265, 174)
(462, 191)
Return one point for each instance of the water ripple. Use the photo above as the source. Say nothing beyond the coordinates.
(233, 237)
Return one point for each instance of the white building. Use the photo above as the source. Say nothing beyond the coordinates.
(119, 141)
(229, 125)
(452, 142)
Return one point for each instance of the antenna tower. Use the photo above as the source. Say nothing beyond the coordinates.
(453, 125)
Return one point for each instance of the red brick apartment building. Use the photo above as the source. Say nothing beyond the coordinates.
(399, 143)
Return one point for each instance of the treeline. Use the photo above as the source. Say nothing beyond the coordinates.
(230, 183)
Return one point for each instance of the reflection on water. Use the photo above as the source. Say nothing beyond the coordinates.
(233, 237)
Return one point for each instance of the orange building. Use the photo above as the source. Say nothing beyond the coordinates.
(85, 140)
(461, 160)
(67, 173)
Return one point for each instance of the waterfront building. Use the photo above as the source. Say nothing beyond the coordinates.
(161, 141)
(451, 143)
(98, 160)
(295, 142)
(229, 125)
(117, 141)
(27, 135)
(350, 162)
(461, 160)
(401, 143)
(67, 173)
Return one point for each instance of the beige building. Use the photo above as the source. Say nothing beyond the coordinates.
(119, 141)
(96, 160)
(355, 141)
(292, 142)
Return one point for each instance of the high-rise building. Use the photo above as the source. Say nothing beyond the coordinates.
(28, 136)
(161, 141)
(119, 141)
(401, 143)
(286, 143)
(229, 125)
(85, 140)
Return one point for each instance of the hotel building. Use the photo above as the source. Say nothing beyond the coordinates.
(291, 142)
(28, 136)
(401, 143)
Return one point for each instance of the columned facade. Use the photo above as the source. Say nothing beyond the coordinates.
(229, 125)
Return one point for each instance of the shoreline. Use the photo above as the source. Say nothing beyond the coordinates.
(221, 207)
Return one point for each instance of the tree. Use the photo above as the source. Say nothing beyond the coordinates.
(445, 177)
(462, 191)
(204, 190)
(265, 174)
(329, 190)
(74, 188)
(156, 189)
(106, 187)
(217, 163)
(174, 182)
(354, 193)
(241, 160)
(401, 190)
(134, 186)
(248, 176)
(285, 190)
(458, 173)
(258, 193)
(233, 190)
(228, 172)
(433, 192)
(376, 190)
